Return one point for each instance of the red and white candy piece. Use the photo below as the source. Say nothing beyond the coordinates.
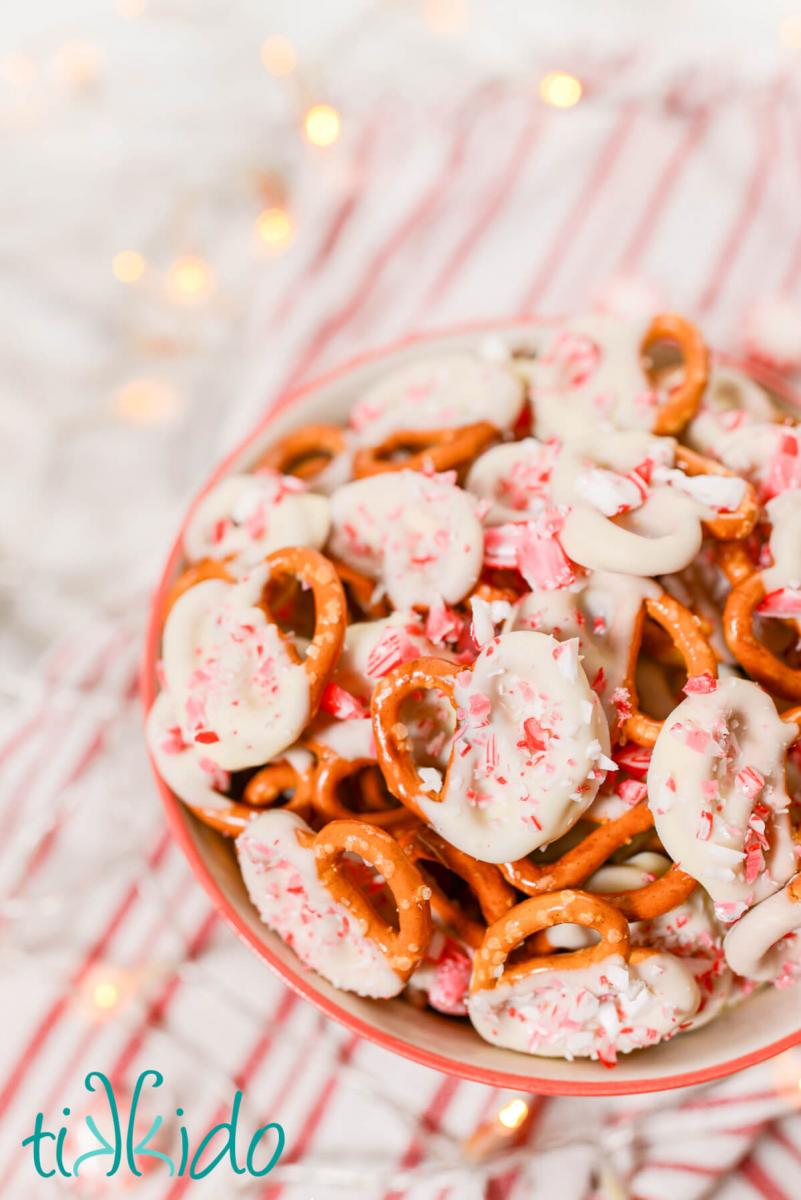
(513, 480)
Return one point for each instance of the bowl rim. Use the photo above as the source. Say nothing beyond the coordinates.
(178, 816)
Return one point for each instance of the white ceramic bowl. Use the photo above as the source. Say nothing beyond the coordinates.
(764, 1025)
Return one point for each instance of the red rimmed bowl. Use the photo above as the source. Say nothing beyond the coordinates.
(764, 1025)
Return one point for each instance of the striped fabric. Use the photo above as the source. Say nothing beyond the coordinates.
(489, 205)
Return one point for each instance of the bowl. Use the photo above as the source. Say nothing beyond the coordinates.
(764, 1025)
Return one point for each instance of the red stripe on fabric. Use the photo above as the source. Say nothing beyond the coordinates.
(430, 1122)
(781, 1136)
(666, 182)
(20, 736)
(689, 1168)
(429, 202)
(760, 1181)
(47, 1024)
(729, 251)
(497, 196)
(335, 228)
(580, 210)
(723, 1101)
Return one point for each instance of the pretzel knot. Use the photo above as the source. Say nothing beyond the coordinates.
(329, 802)
(305, 452)
(583, 860)
(490, 967)
(699, 658)
(683, 401)
(425, 449)
(199, 572)
(724, 526)
(405, 946)
(484, 880)
(745, 600)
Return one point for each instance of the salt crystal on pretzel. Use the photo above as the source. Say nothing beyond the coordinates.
(597, 1002)
(282, 881)
(245, 517)
(740, 853)
(419, 535)
(439, 391)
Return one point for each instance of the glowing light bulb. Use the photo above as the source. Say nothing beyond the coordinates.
(131, 8)
(190, 278)
(275, 228)
(513, 1114)
(146, 402)
(560, 90)
(278, 55)
(322, 125)
(128, 266)
(105, 994)
(790, 32)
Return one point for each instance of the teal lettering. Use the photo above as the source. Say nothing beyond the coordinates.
(142, 1147)
(35, 1140)
(105, 1148)
(229, 1148)
(279, 1149)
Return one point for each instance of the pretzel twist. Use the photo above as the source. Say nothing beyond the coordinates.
(725, 526)
(426, 449)
(393, 745)
(332, 771)
(683, 401)
(199, 572)
(405, 946)
(752, 654)
(268, 788)
(490, 967)
(305, 452)
(493, 894)
(583, 860)
(698, 656)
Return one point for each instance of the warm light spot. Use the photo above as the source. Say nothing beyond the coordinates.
(513, 1114)
(105, 994)
(275, 228)
(146, 402)
(18, 70)
(560, 90)
(444, 16)
(322, 125)
(189, 278)
(278, 55)
(790, 32)
(131, 8)
(128, 266)
(79, 64)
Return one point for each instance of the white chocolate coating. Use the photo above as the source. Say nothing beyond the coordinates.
(282, 881)
(589, 376)
(513, 479)
(601, 610)
(596, 1012)
(418, 535)
(236, 689)
(442, 391)
(784, 514)
(764, 452)
(249, 516)
(530, 751)
(764, 944)
(184, 766)
(716, 787)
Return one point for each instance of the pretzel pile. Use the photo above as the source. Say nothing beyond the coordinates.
(491, 685)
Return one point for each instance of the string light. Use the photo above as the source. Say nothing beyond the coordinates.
(131, 8)
(79, 63)
(128, 266)
(322, 125)
(513, 1114)
(146, 402)
(790, 32)
(560, 90)
(278, 55)
(275, 228)
(190, 279)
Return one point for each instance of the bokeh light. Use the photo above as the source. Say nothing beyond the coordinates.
(560, 90)
(278, 55)
(322, 125)
(128, 266)
(275, 228)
